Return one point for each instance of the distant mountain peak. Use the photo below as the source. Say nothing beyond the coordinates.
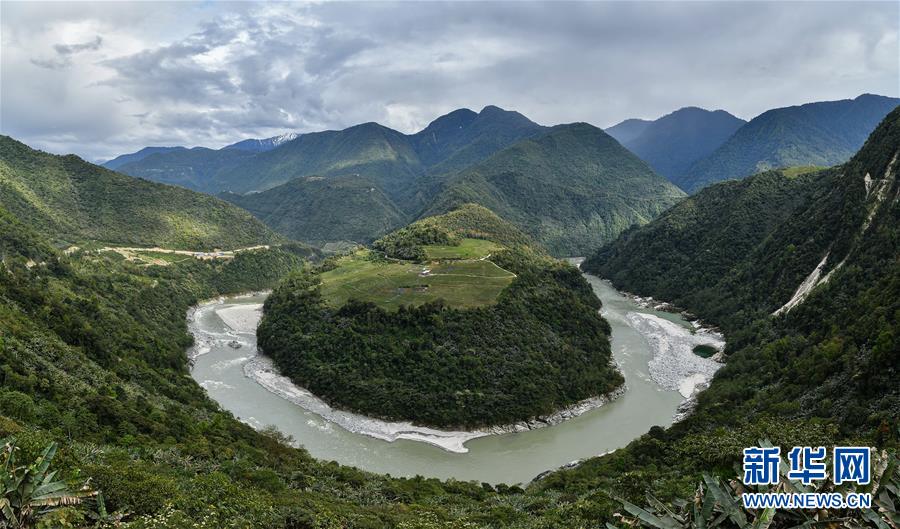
(822, 133)
(627, 130)
(263, 145)
(672, 143)
(119, 161)
(491, 108)
(284, 138)
(456, 119)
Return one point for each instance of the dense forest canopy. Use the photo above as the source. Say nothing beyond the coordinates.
(736, 253)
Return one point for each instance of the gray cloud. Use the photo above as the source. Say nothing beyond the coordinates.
(69, 49)
(63, 54)
(210, 74)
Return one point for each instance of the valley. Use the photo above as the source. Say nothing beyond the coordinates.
(380, 330)
(449, 265)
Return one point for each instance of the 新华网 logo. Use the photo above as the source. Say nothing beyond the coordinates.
(806, 464)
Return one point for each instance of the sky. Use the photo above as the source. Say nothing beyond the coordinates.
(106, 78)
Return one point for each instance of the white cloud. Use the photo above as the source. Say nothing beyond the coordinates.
(104, 78)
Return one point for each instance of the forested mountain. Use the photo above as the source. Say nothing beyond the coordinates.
(463, 137)
(390, 158)
(119, 161)
(478, 222)
(267, 144)
(317, 210)
(370, 150)
(674, 142)
(689, 253)
(572, 188)
(824, 133)
(490, 332)
(807, 293)
(194, 168)
(71, 201)
(360, 183)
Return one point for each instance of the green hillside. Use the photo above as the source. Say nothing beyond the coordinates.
(571, 189)
(450, 278)
(456, 341)
(441, 259)
(195, 168)
(469, 221)
(836, 231)
(823, 133)
(73, 201)
(370, 150)
(316, 209)
(92, 349)
(690, 252)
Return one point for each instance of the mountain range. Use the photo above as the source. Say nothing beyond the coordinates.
(693, 147)
(450, 142)
(674, 142)
(823, 134)
(364, 181)
(466, 156)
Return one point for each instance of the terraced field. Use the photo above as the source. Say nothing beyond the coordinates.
(390, 284)
(467, 249)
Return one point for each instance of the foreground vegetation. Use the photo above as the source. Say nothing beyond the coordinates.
(92, 349)
(463, 343)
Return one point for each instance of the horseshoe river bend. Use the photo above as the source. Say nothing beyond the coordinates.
(653, 349)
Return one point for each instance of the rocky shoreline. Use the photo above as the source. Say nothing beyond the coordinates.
(647, 302)
(675, 366)
(262, 370)
(241, 321)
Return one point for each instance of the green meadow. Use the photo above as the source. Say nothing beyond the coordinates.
(466, 249)
(460, 283)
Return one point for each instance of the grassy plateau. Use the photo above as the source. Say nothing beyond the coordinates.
(450, 274)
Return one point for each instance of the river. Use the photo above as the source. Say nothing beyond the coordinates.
(645, 342)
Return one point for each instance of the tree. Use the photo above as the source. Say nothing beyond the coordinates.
(31, 491)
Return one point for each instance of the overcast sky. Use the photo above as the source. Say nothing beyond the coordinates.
(100, 79)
